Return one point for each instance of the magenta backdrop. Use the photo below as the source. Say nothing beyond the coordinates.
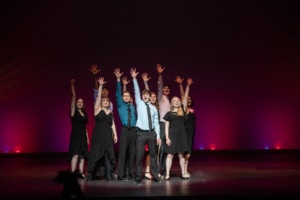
(243, 57)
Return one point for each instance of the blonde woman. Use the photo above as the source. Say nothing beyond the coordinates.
(176, 135)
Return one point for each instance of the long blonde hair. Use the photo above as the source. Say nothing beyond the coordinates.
(180, 111)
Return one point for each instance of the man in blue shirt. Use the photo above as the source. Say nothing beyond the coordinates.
(148, 131)
(127, 140)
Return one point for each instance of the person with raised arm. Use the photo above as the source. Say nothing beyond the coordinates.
(127, 114)
(147, 130)
(79, 140)
(103, 137)
(163, 93)
(176, 135)
(153, 101)
(190, 124)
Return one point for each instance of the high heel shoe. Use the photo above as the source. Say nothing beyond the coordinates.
(184, 177)
(188, 175)
(148, 175)
(167, 178)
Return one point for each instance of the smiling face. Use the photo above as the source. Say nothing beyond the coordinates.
(105, 103)
(175, 102)
(146, 95)
(153, 98)
(166, 90)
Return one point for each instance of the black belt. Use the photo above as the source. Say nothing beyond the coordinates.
(141, 130)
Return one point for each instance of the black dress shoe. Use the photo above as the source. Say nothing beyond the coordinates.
(138, 181)
(113, 176)
(156, 179)
(123, 179)
(89, 178)
(184, 178)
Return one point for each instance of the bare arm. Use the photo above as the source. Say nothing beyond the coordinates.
(179, 80)
(73, 99)
(168, 141)
(97, 106)
(186, 94)
(114, 132)
(94, 70)
(87, 136)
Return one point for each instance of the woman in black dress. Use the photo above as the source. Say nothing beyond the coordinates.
(190, 124)
(190, 129)
(176, 135)
(103, 137)
(78, 146)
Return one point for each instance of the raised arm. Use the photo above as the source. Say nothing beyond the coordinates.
(125, 81)
(118, 75)
(160, 83)
(97, 106)
(179, 80)
(146, 78)
(137, 93)
(94, 70)
(186, 93)
(73, 99)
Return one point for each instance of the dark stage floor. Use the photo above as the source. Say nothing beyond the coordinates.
(215, 175)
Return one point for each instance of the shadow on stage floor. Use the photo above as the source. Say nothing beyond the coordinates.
(215, 175)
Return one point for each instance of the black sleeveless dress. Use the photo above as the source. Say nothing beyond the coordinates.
(78, 141)
(101, 143)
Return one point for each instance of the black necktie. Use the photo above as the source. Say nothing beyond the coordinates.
(149, 117)
(129, 117)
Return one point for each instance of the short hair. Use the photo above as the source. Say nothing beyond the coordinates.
(145, 91)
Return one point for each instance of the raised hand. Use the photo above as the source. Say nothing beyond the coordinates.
(179, 80)
(101, 81)
(125, 81)
(189, 81)
(159, 68)
(72, 81)
(118, 73)
(145, 77)
(94, 69)
(133, 72)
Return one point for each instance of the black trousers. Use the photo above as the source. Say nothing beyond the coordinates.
(162, 155)
(146, 137)
(127, 150)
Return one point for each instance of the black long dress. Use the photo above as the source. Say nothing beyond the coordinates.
(177, 133)
(102, 146)
(190, 129)
(78, 140)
